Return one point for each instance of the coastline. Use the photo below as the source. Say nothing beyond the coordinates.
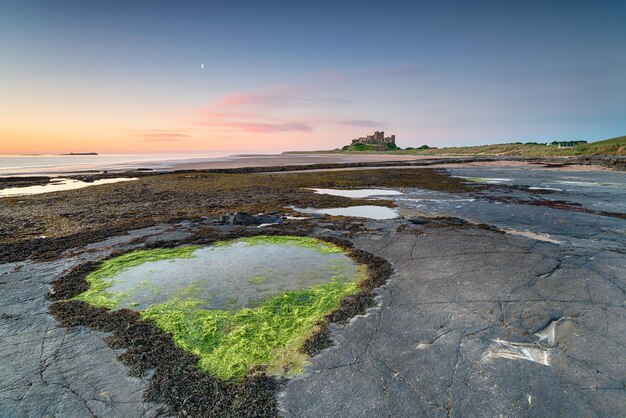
(321, 161)
(441, 252)
(278, 160)
(275, 164)
(247, 163)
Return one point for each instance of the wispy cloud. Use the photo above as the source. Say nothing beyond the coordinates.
(275, 96)
(268, 128)
(268, 111)
(279, 97)
(249, 122)
(274, 110)
(157, 135)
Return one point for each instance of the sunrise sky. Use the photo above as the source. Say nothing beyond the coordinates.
(119, 77)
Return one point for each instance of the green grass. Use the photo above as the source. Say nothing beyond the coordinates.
(231, 344)
(612, 147)
(619, 140)
(367, 147)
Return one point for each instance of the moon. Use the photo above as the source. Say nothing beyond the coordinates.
(202, 66)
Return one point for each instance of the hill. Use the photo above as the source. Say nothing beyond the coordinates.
(613, 147)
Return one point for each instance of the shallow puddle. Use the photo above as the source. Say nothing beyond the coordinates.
(365, 211)
(231, 275)
(590, 183)
(57, 185)
(487, 180)
(357, 193)
(237, 305)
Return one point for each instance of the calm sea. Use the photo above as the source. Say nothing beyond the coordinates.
(20, 165)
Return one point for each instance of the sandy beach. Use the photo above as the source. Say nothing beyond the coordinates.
(271, 160)
(404, 161)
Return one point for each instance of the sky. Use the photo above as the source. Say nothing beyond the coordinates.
(126, 77)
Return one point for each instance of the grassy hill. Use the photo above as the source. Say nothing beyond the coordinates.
(613, 147)
(365, 147)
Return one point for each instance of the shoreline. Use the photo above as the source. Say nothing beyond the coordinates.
(306, 161)
(440, 258)
(267, 164)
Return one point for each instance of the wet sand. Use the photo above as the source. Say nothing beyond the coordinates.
(564, 166)
(272, 160)
(404, 161)
(475, 164)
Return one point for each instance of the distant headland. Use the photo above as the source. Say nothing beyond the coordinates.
(81, 153)
(379, 144)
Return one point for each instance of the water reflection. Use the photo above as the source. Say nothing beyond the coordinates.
(57, 185)
(231, 276)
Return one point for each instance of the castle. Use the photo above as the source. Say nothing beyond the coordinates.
(377, 141)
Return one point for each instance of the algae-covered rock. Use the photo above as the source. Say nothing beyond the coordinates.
(238, 305)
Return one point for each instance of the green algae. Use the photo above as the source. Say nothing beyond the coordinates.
(233, 343)
(103, 278)
(477, 179)
(315, 244)
(257, 280)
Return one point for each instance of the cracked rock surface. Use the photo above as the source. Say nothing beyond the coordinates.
(47, 370)
(476, 323)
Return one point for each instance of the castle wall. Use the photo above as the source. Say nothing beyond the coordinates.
(377, 138)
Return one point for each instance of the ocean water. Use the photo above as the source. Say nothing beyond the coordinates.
(58, 184)
(21, 165)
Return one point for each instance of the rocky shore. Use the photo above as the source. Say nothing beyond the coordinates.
(459, 318)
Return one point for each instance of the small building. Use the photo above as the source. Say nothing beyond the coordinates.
(569, 144)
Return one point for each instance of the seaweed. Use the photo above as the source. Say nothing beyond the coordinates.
(176, 380)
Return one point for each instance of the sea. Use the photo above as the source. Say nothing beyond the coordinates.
(28, 165)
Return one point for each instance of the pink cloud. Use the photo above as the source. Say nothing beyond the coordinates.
(213, 114)
(268, 128)
(159, 135)
(252, 99)
(257, 124)
(275, 110)
(251, 112)
(279, 97)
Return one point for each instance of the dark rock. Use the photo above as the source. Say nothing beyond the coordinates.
(243, 218)
(451, 220)
(212, 219)
(420, 220)
(270, 219)
(480, 309)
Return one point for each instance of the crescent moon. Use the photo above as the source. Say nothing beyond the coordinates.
(202, 66)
